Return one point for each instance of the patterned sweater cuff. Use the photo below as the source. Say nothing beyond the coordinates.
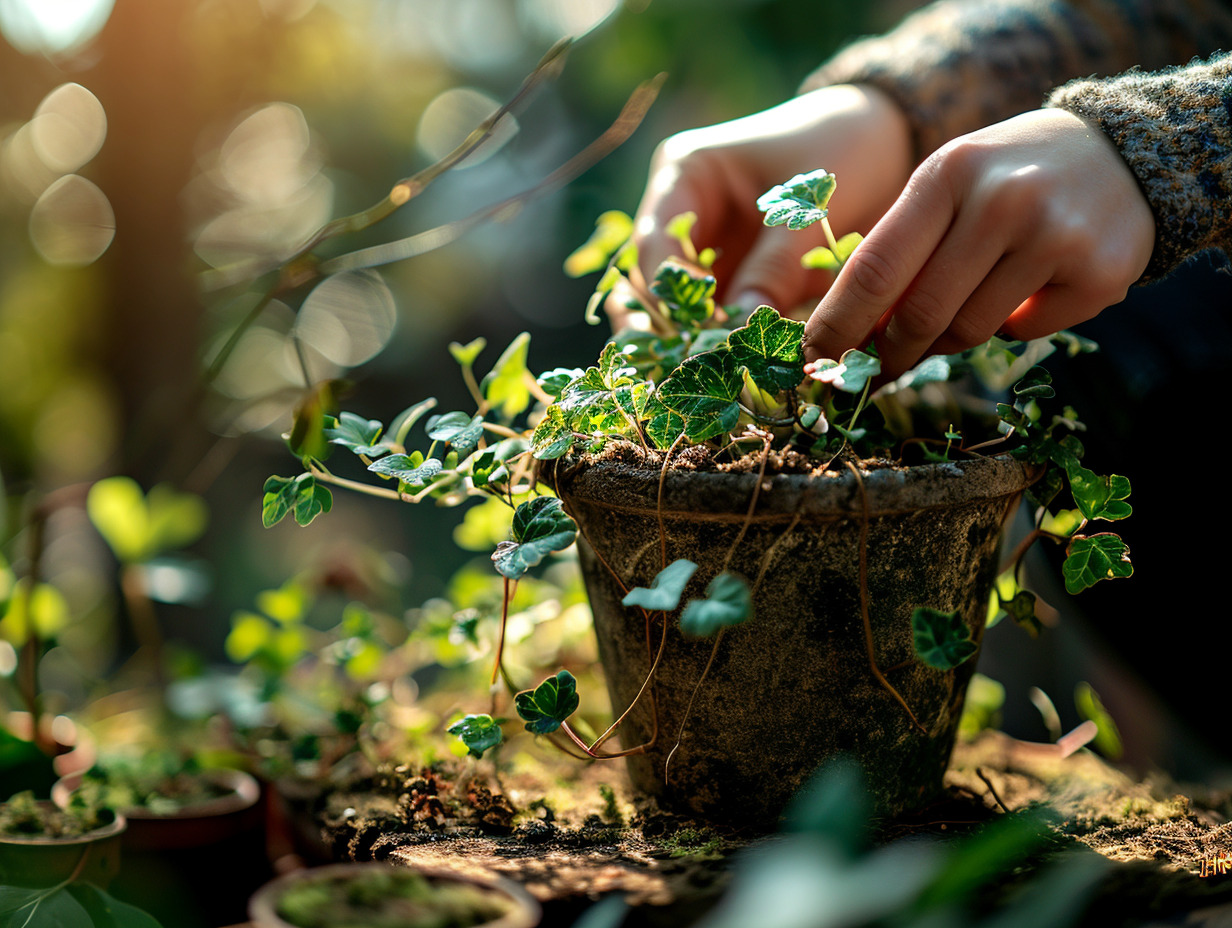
(1174, 129)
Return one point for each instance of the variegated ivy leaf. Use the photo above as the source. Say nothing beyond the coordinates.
(505, 387)
(553, 436)
(941, 639)
(771, 347)
(850, 373)
(411, 470)
(461, 431)
(355, 433)
(825, 259)
(798, 203)
(729, 601)
(663, 594)
(546, 707)
(689, 297)
(300, 496)
(1099, 497)
(553, 382)
(608, 398)
(698, 400)
(540, 526)
(1092, 558)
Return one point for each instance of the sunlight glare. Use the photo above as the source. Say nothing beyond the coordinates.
(52, 26)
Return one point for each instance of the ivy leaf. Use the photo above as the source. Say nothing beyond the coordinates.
(850, 373)
(461, 431)
(540, 526)
(548, 705)
(411, 470)
(356, 434)
(1092, 558)
(931, 370)
(553, 382)
(306, 438)
(1041, 493)
(300, 496)
(108, 912)
(798, 203)
(553, 436)
(1035, 384)
(612, 230)
(488, 466)
(689, 297)
(1099, 497)
(606, 399)
(478, 732)
(466, 354)
(825, 259)
(505, 386)
(698, 399)
(771, 348)
(729, 601)
(942, 640)
(663, 594)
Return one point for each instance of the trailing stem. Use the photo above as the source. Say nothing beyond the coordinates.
(868, 627)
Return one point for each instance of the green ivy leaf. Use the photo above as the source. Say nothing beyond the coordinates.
(553, 382)
(540, 526)
(356, 434)
(300, 496)
(729, 601)
(1090, 706)
(689, 297)
(663, 594)
(140, 526)
(411, 470)
(461, 431)
(822, 258)
(850, 372)
(1092, 558)
(936, 369)
(108, 912)
(466, 354)
(553, 436)
(1041, 493)
(478, 732)
(1099, 497)
(798, 203)
(1035, 384)
(612, 230)
(698, 399)
(942, 640)
(606, 399)
(505, 387)
(548, 705)
(489, 465)
(771, 348)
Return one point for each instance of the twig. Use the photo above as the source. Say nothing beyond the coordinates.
(987, 782)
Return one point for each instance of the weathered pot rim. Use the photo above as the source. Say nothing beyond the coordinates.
(525, 914)
(619, 485)
(243, 793)
(110, 830)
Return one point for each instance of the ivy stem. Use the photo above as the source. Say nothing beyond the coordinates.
(501, 430)
(500, 641)
(859, 406)
(831, 240)
(611, 729)
(383, 492)
(767, 420)
(472, 385)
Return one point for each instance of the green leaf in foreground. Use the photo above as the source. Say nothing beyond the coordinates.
(942, 640)
(552, 436)
(825, 259)
(460, 430)
(850, 373)
(548, 705)
(1092, 558)
(478, 732)
(771, 348)
(540, 526)
(505, 387)
(300, 496)
(612, 230)
(698, 399)
(798, 203)
(689, 297)
(1099, 497)
(663, 594)
(1090, 706)
(729, 601)
(355, 433)
(607, 398)
(411, 470)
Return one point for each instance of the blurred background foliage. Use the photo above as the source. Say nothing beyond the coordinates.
(145, 142)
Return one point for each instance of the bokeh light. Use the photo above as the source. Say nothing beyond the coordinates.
(452, 115)
(68, 128)
(72, 223)
(348, 318)
(52, 26)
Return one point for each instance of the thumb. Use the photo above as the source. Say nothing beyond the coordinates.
(771, 272)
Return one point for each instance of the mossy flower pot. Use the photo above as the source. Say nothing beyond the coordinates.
(353, 895)
(37, 861)
(792, 686)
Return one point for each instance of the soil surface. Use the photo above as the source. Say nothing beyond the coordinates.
(573, 834)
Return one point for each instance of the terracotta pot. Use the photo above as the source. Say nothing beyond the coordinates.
(523, 909)
(792, 686)
(197, 866)
(36, 861)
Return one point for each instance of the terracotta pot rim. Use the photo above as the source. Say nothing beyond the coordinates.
(243, 793)
(110, 830)
(526, 913)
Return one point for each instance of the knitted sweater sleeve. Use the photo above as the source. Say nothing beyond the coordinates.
(959, 65)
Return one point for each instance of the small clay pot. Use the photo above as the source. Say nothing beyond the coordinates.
(36, 861)
(792, 687)
(523, 912)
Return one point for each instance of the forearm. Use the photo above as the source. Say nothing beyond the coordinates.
(959, 65)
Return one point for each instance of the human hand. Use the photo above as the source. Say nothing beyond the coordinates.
(1023, 228)
(718, 172)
